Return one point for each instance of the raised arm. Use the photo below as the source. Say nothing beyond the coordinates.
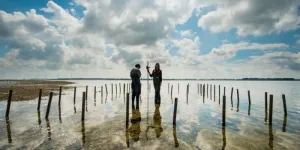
(150, 73)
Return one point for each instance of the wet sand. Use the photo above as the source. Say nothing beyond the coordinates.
(29, 89)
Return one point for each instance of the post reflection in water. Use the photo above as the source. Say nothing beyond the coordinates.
(94, 102)
(271, 136)
(39, 119)
(83, 132)
(59, 115)
(175, 136)
(284, 124)
(105, 98)
(74, 109)
(135, 128)
(224, 137)
(238, 106)
(48, 129)
(8, 131)
(249, 109)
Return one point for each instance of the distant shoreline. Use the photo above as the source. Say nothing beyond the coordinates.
(243, 79)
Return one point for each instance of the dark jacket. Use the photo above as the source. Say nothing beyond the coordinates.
(157, 76)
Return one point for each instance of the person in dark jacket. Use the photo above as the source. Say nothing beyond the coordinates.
(157, 79)
(135, 75)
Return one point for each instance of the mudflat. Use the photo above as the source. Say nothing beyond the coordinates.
(24, 90)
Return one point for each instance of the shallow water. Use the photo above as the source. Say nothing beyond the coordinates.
(198, 123)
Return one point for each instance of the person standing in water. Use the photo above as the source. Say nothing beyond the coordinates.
(157, 79)
(135, 75)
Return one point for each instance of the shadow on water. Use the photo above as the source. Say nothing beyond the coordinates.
(224, 137)
(8, 130)
(249, 109)
(48, 129)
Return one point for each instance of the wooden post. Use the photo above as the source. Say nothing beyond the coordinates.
(49, 105)
(95, 92)
(266, 106)
(271, 110)
(59, 96)
(224, 112)
(214, 92)
(284, 105)
(171, 90)
(187, 89)
(210, 92)
(249, 97)
(224, 91)
(124, 89)
(39, 101)
(238, 99)
(8, 104)
(201, 89)
(101, 91)
(74, 95)
(106, 89)
(83, 106)
(219, 94)
(120, 88)
(175, 111)
(116, 89)
(231, 93)
(168, 87)
(127, 110)
(207, 90)
(112, 89)
(86, 93)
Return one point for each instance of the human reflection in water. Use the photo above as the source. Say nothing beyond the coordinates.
(83, 132)
(175, 136)
(8, 131)
(135, 128)
(157, 121)
(48, 129)
(224, 137)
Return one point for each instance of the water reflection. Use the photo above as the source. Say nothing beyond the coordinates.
(175, 136)
(74, 109)
(284, 124)
(94, 102)
(59, 114)
(249, 109)
(8, 131)
(48, 129)
(39, 119)
(157, 121)
(224, 137)
(83, 132)
(135, 128)
(271, 136)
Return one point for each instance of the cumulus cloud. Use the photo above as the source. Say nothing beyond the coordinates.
(229, 50)
(135, 22)
(252, 17)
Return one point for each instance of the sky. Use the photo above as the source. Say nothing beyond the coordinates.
(190, 39)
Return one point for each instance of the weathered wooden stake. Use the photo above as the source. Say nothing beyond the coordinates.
(271, 110)
(86, 93)
(83, 106)
(127, 110)
(238, 99)
(168, 87)
(39, 101)
(266, 106)
(116, 89)
(101, 91)
(224, 112)
(124, 88)
(214, 92)
(210, 92)
(112, 89)
(106, 89)
(95, 92)
(175, 111)
(49, 105)
(8, 104)
(249, 98)
(284, 105)
(231, 93)
(74, 95)
(201, 89)
(59, 96)
(207, 90)
(171, 90)
(219, 94)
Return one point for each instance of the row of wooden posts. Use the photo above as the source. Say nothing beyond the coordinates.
(201, 90)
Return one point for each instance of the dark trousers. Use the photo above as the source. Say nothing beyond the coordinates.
(136, 92)
(157, 93)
